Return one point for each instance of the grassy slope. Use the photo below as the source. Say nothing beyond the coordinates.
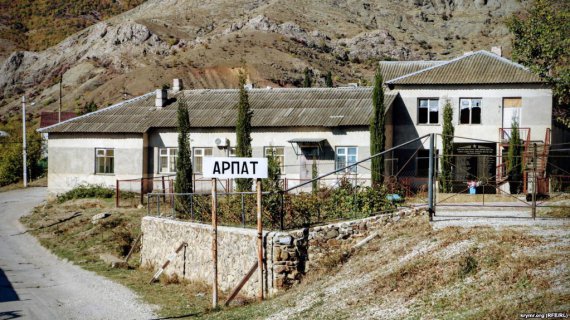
(411, 271)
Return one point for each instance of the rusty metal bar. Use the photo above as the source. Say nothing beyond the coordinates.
(259, 239)
(214, 245)
(241, 284)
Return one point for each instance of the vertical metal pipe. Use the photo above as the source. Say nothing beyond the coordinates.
(24, 144)
(259, 239)
(192, 207)
(282, 210)
(242, 212)
(535, 163)
(430, 177)
(158, 206)
(214, 245)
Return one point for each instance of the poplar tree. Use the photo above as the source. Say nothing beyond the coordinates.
(377, 130)
(243, 130)
(183, 182)
(329, 80)
(447, 140)
(514, 159)
(308, 79)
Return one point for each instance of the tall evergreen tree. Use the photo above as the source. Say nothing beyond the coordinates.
(314, 175)
(329, 80)
(514, 159)
(308, 79)
(377, 130)
(447, 140)
(243, 130)
(183, 182)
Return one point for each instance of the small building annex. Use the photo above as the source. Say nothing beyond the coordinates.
(138, 138)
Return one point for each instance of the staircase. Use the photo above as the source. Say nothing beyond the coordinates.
(536, 162)
(531, 166)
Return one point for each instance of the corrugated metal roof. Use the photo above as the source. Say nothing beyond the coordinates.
(394, 69)
(480, 67)
(287, 107)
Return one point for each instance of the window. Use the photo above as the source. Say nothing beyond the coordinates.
(470, 111)
(346, 156)
(167, 160)
(104, 161)
(428, 111)
(422, 162)
(199, 154)
(279, 153)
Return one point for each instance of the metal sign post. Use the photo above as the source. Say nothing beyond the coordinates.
(235, 168)
(214, 244)
(259, 239)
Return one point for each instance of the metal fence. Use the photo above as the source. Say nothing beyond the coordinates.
(480, 177)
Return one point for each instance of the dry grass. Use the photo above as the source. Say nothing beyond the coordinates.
(82, 242)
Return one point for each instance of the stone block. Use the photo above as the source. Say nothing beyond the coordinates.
(332, 233)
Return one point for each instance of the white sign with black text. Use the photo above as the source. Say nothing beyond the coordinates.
(232, 168)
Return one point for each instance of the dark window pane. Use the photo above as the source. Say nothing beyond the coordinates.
(422, 115)
(464, 116)
(433, 116)
(476, 115)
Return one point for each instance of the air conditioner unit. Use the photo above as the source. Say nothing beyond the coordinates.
(221, 142)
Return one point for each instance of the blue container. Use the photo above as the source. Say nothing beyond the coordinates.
(472, 190)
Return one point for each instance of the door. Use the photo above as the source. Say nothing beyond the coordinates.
(306, 162)
(512, 108)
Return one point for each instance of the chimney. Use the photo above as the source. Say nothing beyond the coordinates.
(497, 50)
(177, 85)
(161, 97)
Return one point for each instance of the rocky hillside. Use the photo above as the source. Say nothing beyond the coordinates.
(203, 42)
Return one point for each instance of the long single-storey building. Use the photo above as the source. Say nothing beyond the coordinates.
(137, 138)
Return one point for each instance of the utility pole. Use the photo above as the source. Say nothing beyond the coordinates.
(24, 147)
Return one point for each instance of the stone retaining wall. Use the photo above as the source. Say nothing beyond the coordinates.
(288, 255)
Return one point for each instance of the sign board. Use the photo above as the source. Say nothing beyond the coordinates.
(232, 168)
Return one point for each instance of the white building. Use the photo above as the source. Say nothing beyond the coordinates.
(138, 138)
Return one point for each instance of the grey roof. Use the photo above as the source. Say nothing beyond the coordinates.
(286, 107)
(394, 69)
(481, 67)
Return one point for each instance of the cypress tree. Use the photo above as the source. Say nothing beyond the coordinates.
(308, 79)
(183, 182)
(514, 158)
(329, 80)
(243, 130)
(377, 130)
(314, 175)
(447, 140)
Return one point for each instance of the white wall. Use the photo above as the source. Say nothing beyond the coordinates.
(72, 159)
(536, 111)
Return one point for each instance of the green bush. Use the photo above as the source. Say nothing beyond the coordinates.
(86, 191)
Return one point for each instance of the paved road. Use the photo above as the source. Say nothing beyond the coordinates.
(35, 284)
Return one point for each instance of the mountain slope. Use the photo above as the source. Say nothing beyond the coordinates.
(203, 42)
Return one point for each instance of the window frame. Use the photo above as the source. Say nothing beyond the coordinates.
(280, 157)
(346, 161)
(105, 156)
(429, 99)
(470, 99)
(168, 159)
(202, 156)
(426, 158)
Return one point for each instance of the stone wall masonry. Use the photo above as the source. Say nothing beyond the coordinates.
(288, 255)
(237, 252)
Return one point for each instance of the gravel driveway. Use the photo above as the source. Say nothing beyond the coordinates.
(35, 284)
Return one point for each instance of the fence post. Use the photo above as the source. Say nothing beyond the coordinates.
(259, 239)
(214, 245)
(430, 177)
(242, 212)
(534, 162)
(117, 193)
